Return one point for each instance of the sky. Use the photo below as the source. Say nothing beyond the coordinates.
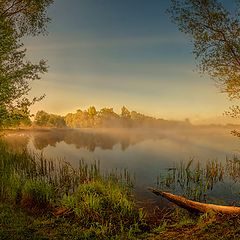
(110, 53)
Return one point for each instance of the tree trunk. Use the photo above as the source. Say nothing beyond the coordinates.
(193, 206)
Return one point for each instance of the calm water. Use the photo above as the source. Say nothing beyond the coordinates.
(145, 153)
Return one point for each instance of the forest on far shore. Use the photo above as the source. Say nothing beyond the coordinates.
(93, 118)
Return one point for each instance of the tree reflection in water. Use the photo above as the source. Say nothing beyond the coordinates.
(87, 139)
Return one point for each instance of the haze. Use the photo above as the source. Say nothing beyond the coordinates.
(115, 53)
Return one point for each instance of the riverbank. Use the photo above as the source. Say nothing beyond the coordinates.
(42, 200)
(17, 223)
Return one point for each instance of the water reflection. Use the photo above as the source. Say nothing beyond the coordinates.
(196, 180)
(17, 141)
(144, 152)
(88, 139)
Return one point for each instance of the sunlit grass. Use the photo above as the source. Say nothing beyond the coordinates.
(100, 204)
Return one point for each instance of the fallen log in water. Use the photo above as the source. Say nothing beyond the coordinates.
(194, 206)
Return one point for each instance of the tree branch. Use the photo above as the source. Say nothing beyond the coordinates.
(15, 2)
(232, 51)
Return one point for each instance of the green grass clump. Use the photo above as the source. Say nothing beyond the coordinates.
(37, 193)
(103, 204)
(64, 202)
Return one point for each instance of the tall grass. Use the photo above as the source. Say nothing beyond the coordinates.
(101, 202)
(195, 180)
(18, 169)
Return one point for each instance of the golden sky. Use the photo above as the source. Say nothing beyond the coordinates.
(115, 53)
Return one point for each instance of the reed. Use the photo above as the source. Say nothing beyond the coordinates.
(101, 203)
(195, 180)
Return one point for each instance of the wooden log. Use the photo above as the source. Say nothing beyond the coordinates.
(194, 206)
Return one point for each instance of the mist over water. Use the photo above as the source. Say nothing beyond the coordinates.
(145, 153)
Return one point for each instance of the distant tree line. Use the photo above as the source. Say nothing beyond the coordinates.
(105, 117)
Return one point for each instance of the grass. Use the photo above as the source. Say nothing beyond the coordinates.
(181, 225)
(80, 203)
(44, 199)
(196, 180)
(16, 223)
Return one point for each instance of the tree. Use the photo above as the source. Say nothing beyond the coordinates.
(44, 119)
(215, 32)
(92, 111)
(69, 120)
(26, 17)
(107, 117)
(41, 118)
(17, 19)
(18, 117)
(126, 117)
(56, 121)
(125, 113)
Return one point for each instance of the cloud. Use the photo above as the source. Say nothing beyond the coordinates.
(73, 42)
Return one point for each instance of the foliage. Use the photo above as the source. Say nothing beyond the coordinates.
(125, 113)
(215, 32)
(216, 36)
(17, 19)
(105, 117)
(27, 17)
(49, 120)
